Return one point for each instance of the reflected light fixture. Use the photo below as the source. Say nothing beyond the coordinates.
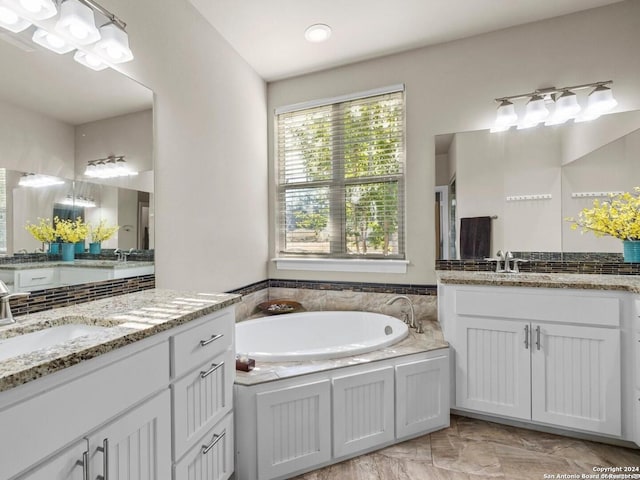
(110, 167)
(79, 201)
(37, 180)
(565, 106)
(317, 33)
(62, 26)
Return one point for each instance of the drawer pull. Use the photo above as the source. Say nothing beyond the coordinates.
(213, 368)
(214, 441)
(526, 337)
(213, 338)
(38, 278)
(538, 337)
(105, 459)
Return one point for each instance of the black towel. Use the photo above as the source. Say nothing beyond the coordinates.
(475, 237)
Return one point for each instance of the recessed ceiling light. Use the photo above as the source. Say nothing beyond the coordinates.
(317, 33)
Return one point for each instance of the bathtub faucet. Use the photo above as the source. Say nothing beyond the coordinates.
(412, 319)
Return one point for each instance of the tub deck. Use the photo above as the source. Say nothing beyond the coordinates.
(431, 339)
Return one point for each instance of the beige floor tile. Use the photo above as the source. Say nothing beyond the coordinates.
(530, 465)
(415, 449)
(451, 452)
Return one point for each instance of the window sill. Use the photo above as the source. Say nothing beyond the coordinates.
(342, 265)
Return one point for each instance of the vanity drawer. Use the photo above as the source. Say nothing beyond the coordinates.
(212, 457)
(212, 336)
(201, 399)
(36, 277)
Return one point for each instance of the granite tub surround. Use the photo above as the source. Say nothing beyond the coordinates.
(128, 318)
(431, 339)
(624, 283)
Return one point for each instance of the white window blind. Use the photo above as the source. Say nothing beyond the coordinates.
(341, 178)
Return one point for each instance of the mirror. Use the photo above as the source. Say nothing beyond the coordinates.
(530, 180)
(55, 116)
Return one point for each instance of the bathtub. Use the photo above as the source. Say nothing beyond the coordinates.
(317, 335)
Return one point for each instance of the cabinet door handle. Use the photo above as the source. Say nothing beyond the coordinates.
(105, 459)
(38, 278)
(213, 338)
(526, 337)
(213, 368)
(538, 337)
(85, 465)
(214, 441)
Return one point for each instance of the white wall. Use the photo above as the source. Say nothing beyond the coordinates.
(451, 88)
(210, 147)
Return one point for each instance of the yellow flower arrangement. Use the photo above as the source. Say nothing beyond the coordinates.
(618, 217)
(102, 232)
(71, 231)
(43, 231)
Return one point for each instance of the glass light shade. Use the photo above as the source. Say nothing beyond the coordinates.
(33, 9)
(317, 33)
(506, 114)
(600, 101)
(37, 180)
(567, 105)
(90, 60)
(114, 44)
(11, 21)
(536, 111)
(51, 41)
(77, 22)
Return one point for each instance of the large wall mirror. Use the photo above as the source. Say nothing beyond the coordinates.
(529, 181)
(55, 117)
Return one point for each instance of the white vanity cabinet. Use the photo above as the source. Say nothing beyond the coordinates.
(70, 464)
(203, 372)
(635, 356)
(549, 356)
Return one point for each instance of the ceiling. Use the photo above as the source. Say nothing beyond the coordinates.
(269, 34)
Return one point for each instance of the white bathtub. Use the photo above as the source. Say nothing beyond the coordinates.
(317, 335)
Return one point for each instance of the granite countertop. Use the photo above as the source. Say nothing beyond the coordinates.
(431, 339)
(130, 318)
(112, 264)
(625, 283)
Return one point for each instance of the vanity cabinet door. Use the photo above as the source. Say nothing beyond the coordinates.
(71, 464)
(135, 446)
(493, 366)
(576, 377)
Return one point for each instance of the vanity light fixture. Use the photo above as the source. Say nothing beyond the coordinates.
(317, 33)
(66, 25)
(110, 167)
(79, 201)
(37, 180)
(564, 101)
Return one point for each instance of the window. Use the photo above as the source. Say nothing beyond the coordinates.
(341, 177)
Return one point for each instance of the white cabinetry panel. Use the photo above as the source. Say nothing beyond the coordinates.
(67, 465)
(422, 396)
(293, 428)
(212, 458)
(576, 377)
(137, 445)
(362, 411)
(493, 366)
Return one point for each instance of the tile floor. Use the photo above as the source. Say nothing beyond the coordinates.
(474, 449)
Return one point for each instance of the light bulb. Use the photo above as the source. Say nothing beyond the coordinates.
(8, 16)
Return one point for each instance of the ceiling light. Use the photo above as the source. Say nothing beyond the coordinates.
(11, 21)
(600, 101)
(51, 41)
(32, 9)
(536, 111)
(77, 22)
(90, 60)
(114, 44)
(317, 33)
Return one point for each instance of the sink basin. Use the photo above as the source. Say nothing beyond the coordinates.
(48, 337)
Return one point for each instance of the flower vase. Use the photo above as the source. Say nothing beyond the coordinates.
(631, 251)
(95, 248)
(68, 252)
(54, 248)
(79, 247)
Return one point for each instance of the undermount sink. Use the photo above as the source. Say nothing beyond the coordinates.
(48, 337)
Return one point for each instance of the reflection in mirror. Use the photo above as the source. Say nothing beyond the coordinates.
(55, 117)
(530, 180)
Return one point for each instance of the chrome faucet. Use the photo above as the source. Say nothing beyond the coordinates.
(6, 317)
(412, 320)
(506, 258)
